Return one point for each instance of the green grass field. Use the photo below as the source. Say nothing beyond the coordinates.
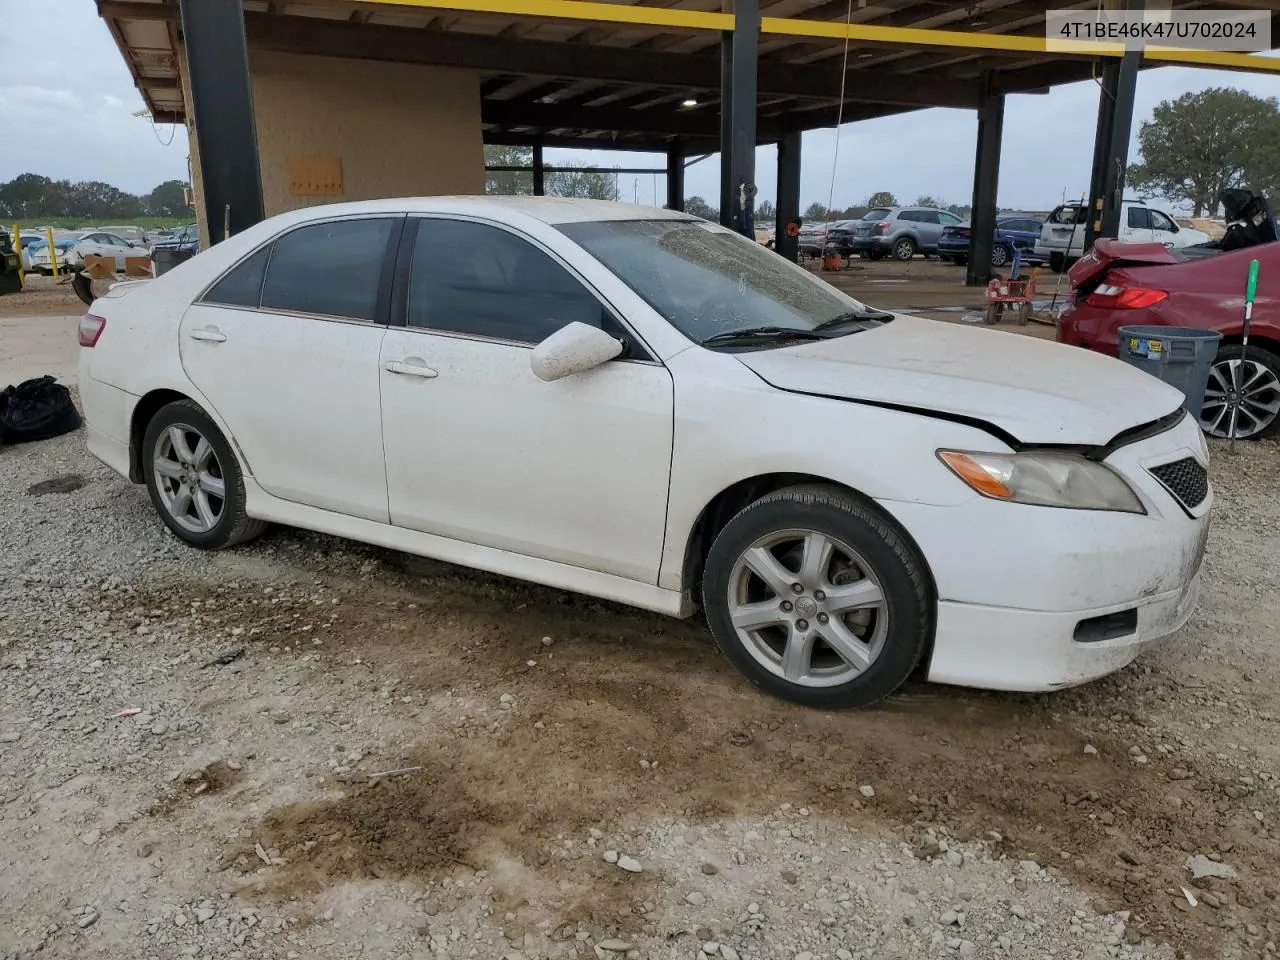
(73, 223)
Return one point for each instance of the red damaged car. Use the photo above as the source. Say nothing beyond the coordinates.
(1118, 284)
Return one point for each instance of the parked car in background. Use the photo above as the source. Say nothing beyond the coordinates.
(1118, 284)
(37, 259)
(1017, 232)
(133, 235)
(813, 239)
(74, 248)
(899, 232)
(1061, 240)
(183, 239)
(983, 508)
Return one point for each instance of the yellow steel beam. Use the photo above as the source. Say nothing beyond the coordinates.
(623, 13)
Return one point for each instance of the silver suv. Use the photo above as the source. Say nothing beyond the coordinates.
(899, 232)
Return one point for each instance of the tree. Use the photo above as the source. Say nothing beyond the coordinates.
(815, 211)
(168, 199)
(1202, 143)
(700, 208)
(508, 182)
(582, 182)
(29, 195)
(882, 198)
(928, 201)
(766, 210)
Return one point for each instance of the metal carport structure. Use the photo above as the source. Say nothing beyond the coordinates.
(678, 77)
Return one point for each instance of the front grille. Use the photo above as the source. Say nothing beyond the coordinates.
(1186, 479)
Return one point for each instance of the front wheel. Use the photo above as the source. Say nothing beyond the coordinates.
(1243, 389)
(194, 478)
(817, 598)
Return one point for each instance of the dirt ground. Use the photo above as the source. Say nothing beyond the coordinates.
(198, 756)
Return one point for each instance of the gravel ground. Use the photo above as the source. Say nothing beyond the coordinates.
(584, 779)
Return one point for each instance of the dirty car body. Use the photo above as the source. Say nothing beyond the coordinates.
(642, 406)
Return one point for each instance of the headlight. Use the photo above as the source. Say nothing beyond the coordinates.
(1044, 478)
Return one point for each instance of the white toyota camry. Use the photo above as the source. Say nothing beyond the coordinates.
(639, 405)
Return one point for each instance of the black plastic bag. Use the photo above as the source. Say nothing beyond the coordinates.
(36, 410)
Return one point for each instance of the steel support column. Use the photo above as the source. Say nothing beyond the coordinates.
(539, 171)
(222, 107)
(726, 129)
(1119, 83)
(788, 195)
(675, 175)
(742, 100)
(986, 185)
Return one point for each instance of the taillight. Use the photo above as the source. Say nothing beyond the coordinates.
(1114, 297)
(91, 328)
(883, 226)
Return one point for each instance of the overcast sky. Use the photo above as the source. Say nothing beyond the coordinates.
(67, 104)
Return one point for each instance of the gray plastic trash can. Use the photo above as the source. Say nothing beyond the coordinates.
(1180, 356)
(165, 260)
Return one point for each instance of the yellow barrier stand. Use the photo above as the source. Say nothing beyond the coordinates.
(17, 246)
(53, 251)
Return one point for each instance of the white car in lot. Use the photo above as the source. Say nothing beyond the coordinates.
(1062, 236)
(643, 406)
(83, 244)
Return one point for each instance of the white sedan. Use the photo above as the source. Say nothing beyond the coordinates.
(83, 244)
(642, 406)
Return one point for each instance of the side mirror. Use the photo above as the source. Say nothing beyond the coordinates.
(574, 348)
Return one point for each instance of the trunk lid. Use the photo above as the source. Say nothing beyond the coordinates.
(1108, 253)
(1037, 391)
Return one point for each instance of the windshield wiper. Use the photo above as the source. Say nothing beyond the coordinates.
(865, 318)
(754, 334)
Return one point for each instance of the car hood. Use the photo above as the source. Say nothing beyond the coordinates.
(1037, 391)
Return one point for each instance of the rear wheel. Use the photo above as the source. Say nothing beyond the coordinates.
(1243, 389)
(1057, 262)
(194, 478)
(817, 598)
(999, 255)
(904, 248)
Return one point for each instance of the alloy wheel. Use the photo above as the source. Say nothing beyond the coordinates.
(1252, 408)
(999, 256)
(189, 478)
(808, 608)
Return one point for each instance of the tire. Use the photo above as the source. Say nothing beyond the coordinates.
(876, 254)
(904, 248)
(1000, 255)
(1057, 262)
(870, 563)
(198, 461)
(1260, 377)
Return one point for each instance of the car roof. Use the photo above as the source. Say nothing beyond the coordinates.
(551, 210)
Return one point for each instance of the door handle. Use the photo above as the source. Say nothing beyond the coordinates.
(212, 336)
(418, 369)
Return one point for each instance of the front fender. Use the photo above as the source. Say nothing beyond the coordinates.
(731, 426)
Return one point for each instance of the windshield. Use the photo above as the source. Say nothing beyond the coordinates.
(879, 213)
(706, 280)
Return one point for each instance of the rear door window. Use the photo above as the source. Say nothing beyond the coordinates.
(1139, 218)
(333, 269)
(242, 286)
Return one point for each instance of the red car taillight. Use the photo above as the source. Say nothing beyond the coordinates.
(883, 226)
(91, 328)
(1112, 297)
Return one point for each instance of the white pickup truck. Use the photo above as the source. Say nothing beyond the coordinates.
(1062, 237)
